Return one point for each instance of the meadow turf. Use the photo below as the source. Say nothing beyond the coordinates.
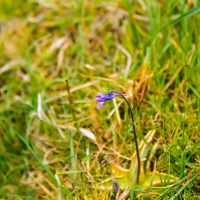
(54, 142)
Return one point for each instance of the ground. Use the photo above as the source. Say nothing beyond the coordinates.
(56, 56)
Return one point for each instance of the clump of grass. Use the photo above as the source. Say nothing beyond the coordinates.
(148, 49)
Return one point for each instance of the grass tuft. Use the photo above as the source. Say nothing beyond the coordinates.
(54, 143)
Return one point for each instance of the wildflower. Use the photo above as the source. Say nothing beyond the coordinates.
(101, 98)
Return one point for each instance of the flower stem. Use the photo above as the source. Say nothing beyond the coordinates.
(134, 133)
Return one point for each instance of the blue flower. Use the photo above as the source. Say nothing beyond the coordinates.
(101, 98)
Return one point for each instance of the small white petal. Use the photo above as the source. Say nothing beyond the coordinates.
(88, 134)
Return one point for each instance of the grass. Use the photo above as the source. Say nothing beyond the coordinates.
(147, 49)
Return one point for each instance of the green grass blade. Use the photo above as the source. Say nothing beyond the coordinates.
(51, 175)
(183, 16)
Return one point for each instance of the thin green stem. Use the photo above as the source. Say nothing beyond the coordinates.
(72, 153)
(134, 133)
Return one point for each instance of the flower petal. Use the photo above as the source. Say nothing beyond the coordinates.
(100, 105)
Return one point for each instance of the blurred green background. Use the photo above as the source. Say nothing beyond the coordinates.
(146, 49)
